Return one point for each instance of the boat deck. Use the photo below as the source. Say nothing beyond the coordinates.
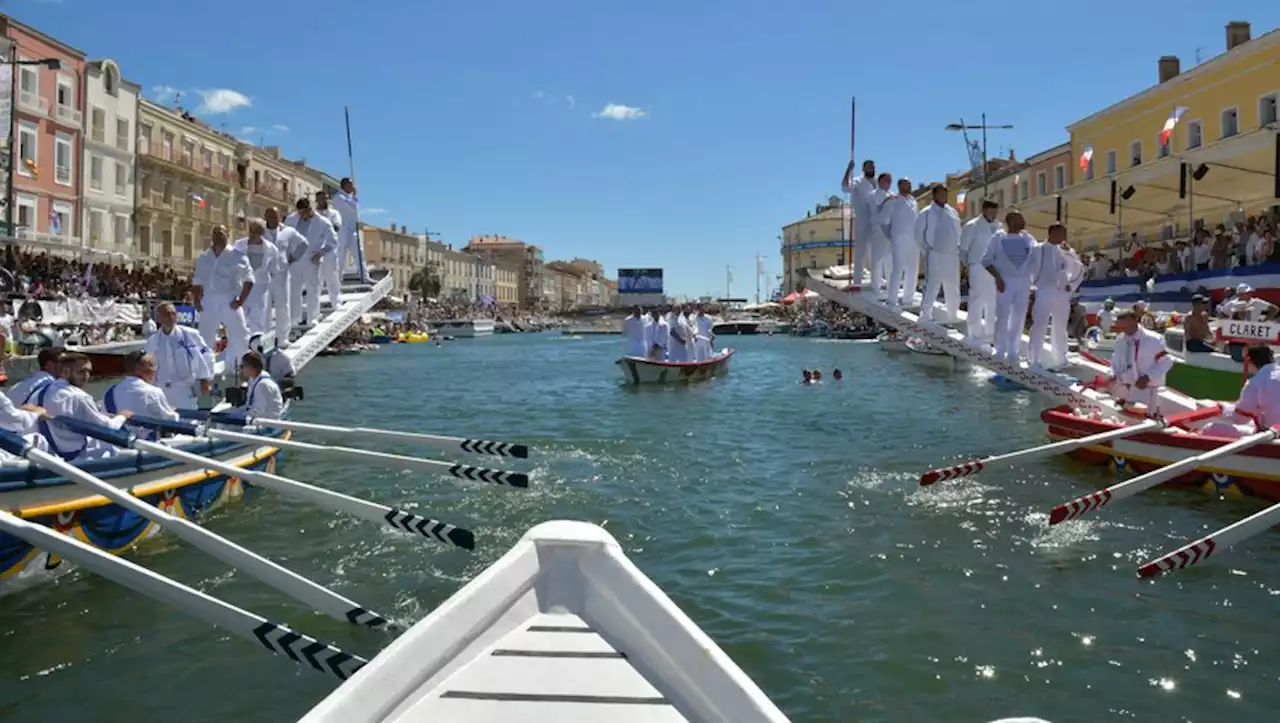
(555, 668)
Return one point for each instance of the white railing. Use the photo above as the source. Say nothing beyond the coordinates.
(33, 102)
(69, 116)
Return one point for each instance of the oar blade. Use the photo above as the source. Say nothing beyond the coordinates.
(431, 529)
(1079, 506)
(492, 476)
(1184, 556)
(498, 449)
(965, 469)
(306, 650)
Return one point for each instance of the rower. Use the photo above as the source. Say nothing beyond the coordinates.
(138, 394)
(264, 397)
(67, 398)
(183, 361)
(1139, 363)
(633, 329)
(50, 361)
(1261, 394)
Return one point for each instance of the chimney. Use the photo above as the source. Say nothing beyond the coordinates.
(1170, 66)
(1237, 34)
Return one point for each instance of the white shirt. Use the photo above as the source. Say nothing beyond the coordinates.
(899, 213)
(148, 327)
(704, 325)
(264, 398)
(659, 334)
(22, 392)
(1056, 267)
(62, 399)
(265, 260)
(1141, 354)
(16, 420)
(318, 231)
(181, 356)
(292, 245)
(938, 230)
(1010, 254)
(860, 195)
(633, 329)
(1261, 395)
(141, 397)
(335, 218)
(348, 207)
(222, 275)
(975, 237)
(279, 364)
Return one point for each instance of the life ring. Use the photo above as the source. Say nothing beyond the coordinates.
(1094, 334)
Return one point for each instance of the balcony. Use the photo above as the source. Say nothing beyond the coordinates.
(69, 116)
(33, 103)
(185, 163)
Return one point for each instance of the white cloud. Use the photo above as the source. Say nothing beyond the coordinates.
(573, 103)
(618, 111)
(280, 128)
(249, 131)
(372, 211)
(163, 93)
(221, 100)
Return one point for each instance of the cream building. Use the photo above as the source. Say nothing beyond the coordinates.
(506, 285)
(186, 183)
(396, 250)
(264, 178)
(110, 164)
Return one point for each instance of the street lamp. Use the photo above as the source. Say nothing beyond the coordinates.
(51, 64)
(962, 127)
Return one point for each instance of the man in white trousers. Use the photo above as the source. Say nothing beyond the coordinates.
(1056, 274)
(323, 209)
(899, 216)
(350, 245)
(292, 247)
(881, 256)
(1008, 260)
(860, 191)
(974, 239)
(938, 233)
(220, 286)
(266, 262)
(320, 262)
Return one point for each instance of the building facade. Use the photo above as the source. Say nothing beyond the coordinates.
(1129, 181)
(1047, 174)
(264, 179)
(817, 241)
(525, 259)
(396, 250)
(47, 136)
(506, 286)
(109, 164)
(186, 184)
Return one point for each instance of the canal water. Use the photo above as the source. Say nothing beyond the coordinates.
(785, 520)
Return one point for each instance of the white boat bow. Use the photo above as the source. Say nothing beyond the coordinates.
(562, 628)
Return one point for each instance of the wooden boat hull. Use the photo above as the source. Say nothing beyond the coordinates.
(44, 498)
(636, 370)
(1255, 472)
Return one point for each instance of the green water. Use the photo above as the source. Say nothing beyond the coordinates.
(785, 520)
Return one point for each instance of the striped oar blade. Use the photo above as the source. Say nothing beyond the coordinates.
(1200, 550)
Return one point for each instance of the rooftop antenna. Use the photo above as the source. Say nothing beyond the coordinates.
(1198, 51)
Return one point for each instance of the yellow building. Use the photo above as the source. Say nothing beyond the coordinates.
(816, 241)
(396, 250)
(1228, 137)
(506, 281)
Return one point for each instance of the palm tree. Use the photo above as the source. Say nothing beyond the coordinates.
(426, 281)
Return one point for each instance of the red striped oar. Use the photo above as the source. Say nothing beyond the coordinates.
(1188, 555)
(1083, 505)
(965, 469)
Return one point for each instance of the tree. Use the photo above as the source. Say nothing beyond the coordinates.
(426, 280)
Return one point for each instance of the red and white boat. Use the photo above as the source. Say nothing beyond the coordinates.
(640, 370)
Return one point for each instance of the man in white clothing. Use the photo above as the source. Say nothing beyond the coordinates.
(23, 419)
(50, 361)
(881, 254)
(899, 218)
(974, 239)
(148, 326)
(633, 330)
(1261, 394)
(681, 336)
(1008, 260)
(319, 261)
(222, 282)
(266, 262)
(703, 336)
(138, 394)
(335, 219)
(292, 247)
(1056, 274)
(184, 363)
(350, 245)
(938, 233)
(1139, 363)
(860, 191)
(67, 398)
(263, 398)
(658, 337)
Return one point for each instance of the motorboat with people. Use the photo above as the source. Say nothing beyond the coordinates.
(465, 328)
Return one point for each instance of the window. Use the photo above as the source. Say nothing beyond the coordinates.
(62, 159)
(166, 145)
(1025, 191)
(167, 191)
(60, 218)
(208, 160)
(1267, 109)
(122, 133)
(1042, 184)
(1111, 162)
(30, 79)
(95, 172)
(98, 124)
(1162, 149)
(66, 92)
(26, 211)
(122, 179)
(96, 221)
(120, 232)
(1195, 134)
(28, 148)
(1230, 122)
(1135, 154)
(188, 152)
(1059, 177)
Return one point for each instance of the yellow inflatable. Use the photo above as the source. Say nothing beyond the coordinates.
(413, 337)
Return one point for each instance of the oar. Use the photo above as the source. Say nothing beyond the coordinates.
(1197, 551)
(1055, 448)
(285, 580)
(461, 471)
(448, 444)
(396, 519)
(1082, 505)
(275, 637)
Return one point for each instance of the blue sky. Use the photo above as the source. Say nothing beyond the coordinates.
(666, 133)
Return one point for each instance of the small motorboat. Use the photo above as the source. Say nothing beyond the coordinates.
(893, 342)
(923, 353)
(639, 370)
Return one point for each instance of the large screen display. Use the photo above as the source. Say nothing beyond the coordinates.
(639, 281)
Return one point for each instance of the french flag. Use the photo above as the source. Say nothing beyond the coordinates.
(1167, 132)
(1085, 158)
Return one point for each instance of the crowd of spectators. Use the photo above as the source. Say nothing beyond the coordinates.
(45, 277)
(1249, 243)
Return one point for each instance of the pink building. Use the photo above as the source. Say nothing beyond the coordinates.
(46, 134)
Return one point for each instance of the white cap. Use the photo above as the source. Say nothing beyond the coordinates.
(1244, 289)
